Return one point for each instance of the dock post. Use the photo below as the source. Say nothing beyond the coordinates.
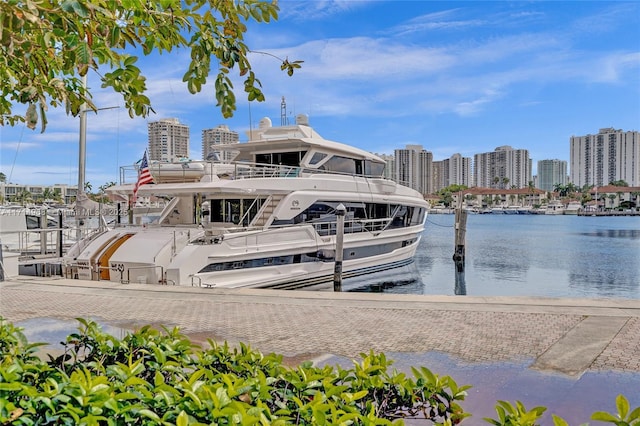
(60, 246)
(43, 224)
(460, 231)
(337, 270)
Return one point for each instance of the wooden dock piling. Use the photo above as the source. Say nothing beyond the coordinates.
(460, 231)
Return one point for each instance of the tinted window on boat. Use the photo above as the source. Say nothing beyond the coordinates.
(234, 210)
(359, 217)
(340, 165)
(373, 168)
(352, 166)
(317, 157)
(281, 158)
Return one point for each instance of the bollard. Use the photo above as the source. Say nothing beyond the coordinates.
(337, 271)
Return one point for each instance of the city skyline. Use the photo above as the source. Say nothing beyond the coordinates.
(454, 77)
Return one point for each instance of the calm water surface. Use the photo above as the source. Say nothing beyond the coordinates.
(525, 255)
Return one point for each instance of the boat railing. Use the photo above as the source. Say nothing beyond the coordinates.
(352, 226)
(256, 170)
(45, 241)
(243, 170)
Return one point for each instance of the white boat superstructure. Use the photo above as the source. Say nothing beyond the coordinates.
(267, 219)
(554, 207)
(573, 207)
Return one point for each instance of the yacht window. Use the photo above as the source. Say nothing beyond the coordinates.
(317, 157)
(340, 165)
(282, 158)
(236, 211)
(373, 168)
(352, 166)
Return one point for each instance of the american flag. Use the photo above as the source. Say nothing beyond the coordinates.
(144, 176)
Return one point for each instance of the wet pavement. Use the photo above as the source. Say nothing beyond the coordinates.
(571, 355)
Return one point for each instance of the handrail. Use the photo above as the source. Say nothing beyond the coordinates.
(249, 170)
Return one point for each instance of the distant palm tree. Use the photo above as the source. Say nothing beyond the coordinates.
(48, 194)
(505, 181)
(532, 189)
(23, 197)
(496, 180)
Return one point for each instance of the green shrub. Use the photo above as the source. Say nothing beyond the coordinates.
(152, 377)
(160, 377)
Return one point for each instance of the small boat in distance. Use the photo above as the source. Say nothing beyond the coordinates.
(269, 219)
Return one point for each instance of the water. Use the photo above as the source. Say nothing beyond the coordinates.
(526, 255)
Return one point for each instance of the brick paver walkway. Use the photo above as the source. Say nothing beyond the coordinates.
(301, 324)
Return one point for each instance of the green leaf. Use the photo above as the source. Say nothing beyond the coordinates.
(183, 419)
(604, 417)
(622, 405)
(149, 414)
(558, 421)
(14, 386)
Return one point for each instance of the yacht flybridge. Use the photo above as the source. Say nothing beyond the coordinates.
(265, 219)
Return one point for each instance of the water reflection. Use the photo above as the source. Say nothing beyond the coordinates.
(615, 233)
(531, 255)
(460, 288)
(403, 280)
(54, 331)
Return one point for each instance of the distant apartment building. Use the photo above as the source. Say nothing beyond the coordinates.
(551, 173)
(437, 175)
(455, 170)
(413, 168)
(390, 167)
(168, 140)
(503, 168)
(213, 138)
(11, 192)
(609, 156)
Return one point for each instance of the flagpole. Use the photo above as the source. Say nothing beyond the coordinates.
(82, 154)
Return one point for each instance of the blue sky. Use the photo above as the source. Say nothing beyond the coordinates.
(454, 77)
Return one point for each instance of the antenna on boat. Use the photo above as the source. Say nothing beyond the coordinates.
(283, 113)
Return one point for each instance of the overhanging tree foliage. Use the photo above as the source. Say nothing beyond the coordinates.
(47, 46)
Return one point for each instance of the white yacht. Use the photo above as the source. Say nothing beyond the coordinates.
(266, 219)
(573, 207)
(554, 207)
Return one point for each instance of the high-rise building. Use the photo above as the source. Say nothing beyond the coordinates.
(551, 173)
(413, 168)
(168, 140)
(456, 170)
(503, 168)
(212, 138)
(609, 156)
(389, 169)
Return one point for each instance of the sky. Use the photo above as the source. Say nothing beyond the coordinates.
(454, 77)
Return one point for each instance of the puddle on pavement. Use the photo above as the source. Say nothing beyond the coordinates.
(574, 399)
(54, 331)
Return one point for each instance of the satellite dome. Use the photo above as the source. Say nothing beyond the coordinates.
(265, 123)
(302, 119)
